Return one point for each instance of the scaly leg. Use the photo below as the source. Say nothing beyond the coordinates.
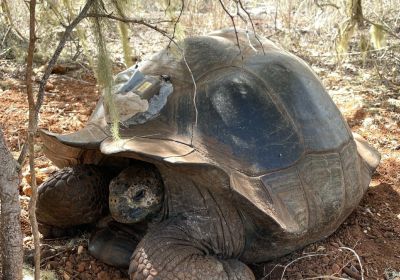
(171, 251)
(73, 196)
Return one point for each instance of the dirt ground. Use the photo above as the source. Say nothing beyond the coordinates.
(366, 245)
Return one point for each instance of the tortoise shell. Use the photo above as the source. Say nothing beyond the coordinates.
(259, 119)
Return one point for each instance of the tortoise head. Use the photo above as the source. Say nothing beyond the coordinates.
(135, 194)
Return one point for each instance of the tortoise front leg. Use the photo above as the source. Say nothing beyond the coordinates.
(113, 243)
(171, 252)
(72, 197)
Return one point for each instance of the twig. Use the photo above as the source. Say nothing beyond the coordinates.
(325, 277)
(194, 98)
(8, 17)
(358, 259)
(43, 261)
(358, 53)
(50, 66)
(351, 273)
(176, 22)
(234, 25)
(303, 257)
(5, 36)
(252, 25)
(354, 275)
(270, 272)
(328, 4)
(385, 28)
(77, 80)
(131, 20)
(31, 137)
(6, 51)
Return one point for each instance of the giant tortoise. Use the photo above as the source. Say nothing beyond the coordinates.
(233, 155)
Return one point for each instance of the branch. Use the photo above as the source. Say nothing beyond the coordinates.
(252, 25)
(31, 137)
(50, 66)
(384, 28)
(5, 36)
(358, 259)
(303, 257)
(328, 4)
(233, 23)
(8, 17)
(131, 20)
(177, 21)
(34, 110)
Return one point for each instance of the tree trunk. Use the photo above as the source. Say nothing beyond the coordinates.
(11, 236)
(356, 12)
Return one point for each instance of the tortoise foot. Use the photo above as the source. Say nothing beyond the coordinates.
(114, 244)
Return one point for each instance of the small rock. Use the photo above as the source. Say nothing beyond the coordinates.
(27, 190)
(334, 244)
(80, 249)
(335, 268)
(52, 265)
(47, 253)
(66, 276)
(68, 266)
(86, 276)
(49, 86)
(388, 234)
(72, 258)
(298, 275)
(27, 239)
(103, 275)
(321, 249)
(81, 267)
(95, 268)
(325, 260)
(40, 177)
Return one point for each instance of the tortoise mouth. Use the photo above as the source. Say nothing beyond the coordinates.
(128, 215)
(124, 211)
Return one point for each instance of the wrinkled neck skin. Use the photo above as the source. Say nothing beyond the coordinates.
(199, 201)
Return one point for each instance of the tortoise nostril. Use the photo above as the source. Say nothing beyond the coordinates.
(139, 195)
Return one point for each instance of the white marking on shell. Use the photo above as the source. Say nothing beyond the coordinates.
(129, 104)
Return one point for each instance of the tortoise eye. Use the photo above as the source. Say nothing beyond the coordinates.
(139, 195)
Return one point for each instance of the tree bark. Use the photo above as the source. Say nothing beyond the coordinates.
(11, 236)
(356, 12)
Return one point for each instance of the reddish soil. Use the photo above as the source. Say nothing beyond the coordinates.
(367, 244)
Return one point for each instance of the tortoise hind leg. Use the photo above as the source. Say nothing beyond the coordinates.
(72, 197)
(171, 252)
